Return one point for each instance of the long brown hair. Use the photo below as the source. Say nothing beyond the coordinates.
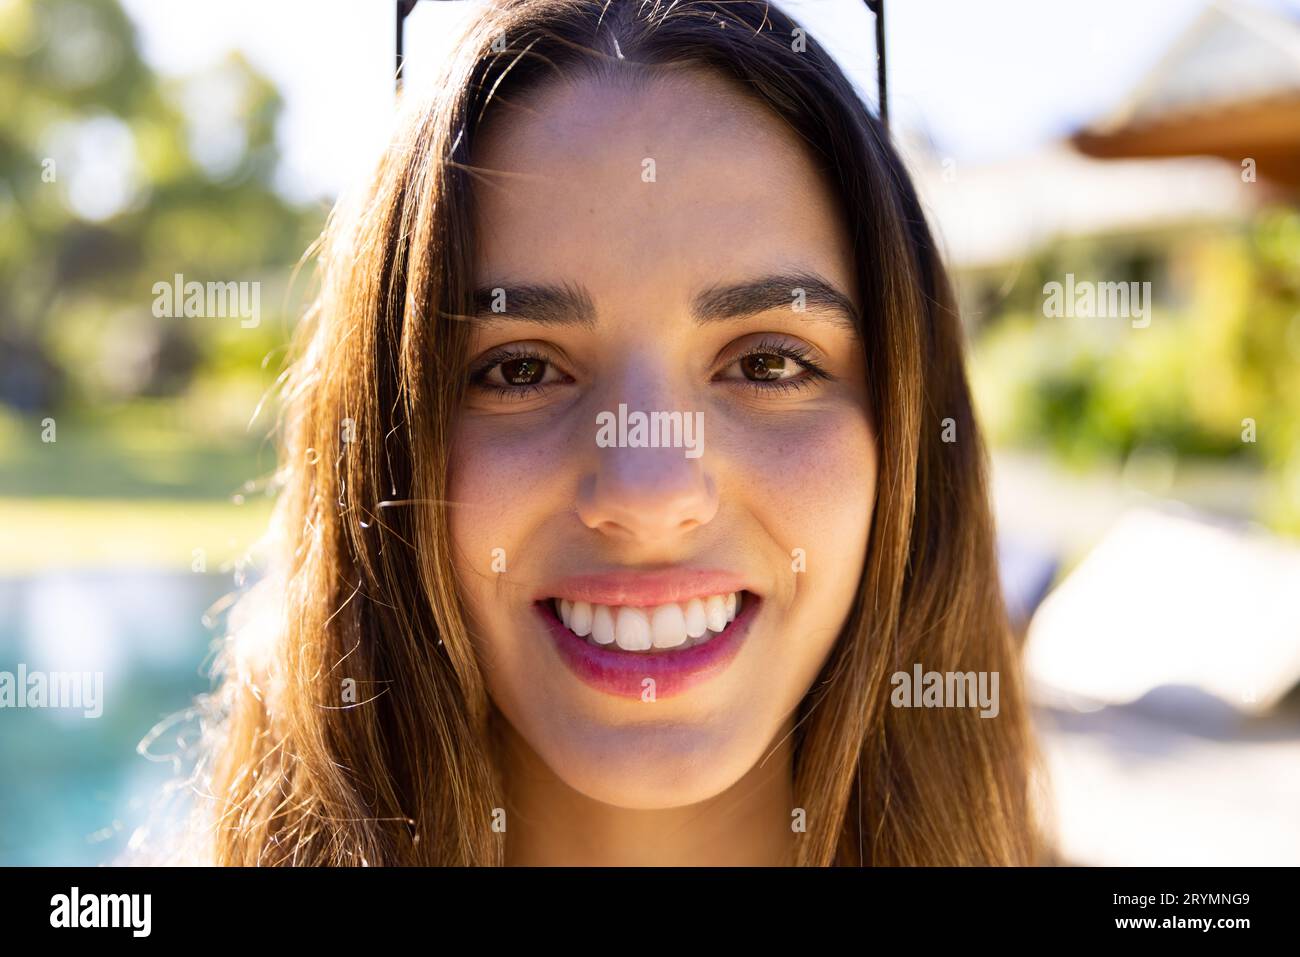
(402, 772)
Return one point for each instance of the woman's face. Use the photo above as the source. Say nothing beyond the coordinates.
(667, 250)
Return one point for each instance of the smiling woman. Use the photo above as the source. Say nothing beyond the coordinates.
(505, 641)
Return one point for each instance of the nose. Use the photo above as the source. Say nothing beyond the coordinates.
(647, 494)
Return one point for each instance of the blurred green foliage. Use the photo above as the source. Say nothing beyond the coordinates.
(1225, 349)
(112, 179)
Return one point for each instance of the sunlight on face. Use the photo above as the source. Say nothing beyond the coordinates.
(651, 250)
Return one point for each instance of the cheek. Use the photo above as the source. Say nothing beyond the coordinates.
(502, 490)
(812, 488)
(811, 482)
(501, 481)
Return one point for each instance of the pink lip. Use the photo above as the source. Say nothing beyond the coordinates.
(642, 589)
(624, 673)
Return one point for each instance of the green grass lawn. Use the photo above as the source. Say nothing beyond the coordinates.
(42, 534)
(140, 485)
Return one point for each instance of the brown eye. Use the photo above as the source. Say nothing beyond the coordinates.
(775, 368)
(525, 371)
(516, 372)
(762, 367)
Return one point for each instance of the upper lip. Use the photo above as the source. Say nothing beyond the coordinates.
(645, 588)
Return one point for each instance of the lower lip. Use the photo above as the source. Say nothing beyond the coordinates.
(624, 673)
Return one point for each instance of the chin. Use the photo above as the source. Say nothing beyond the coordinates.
(652, 767)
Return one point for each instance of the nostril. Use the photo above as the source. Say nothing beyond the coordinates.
(648, 504)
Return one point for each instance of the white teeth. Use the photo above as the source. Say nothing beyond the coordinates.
(632, 629)
(696, 622)
(602, 625)
(673, 625)
(580, 619)
(668, 626)
(715, 611)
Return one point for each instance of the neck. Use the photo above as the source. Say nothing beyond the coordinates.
(551, 824)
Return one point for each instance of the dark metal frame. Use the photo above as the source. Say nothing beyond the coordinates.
(877, 8)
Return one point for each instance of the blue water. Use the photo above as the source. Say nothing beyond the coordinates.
(73, 788)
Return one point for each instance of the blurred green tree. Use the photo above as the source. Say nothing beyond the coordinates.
(1216, 377)
(113, 178)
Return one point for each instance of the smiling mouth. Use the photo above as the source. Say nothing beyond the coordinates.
(647, 630)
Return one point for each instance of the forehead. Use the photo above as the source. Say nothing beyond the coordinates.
(679, 179)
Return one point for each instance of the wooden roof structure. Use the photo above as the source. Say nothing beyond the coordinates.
(1229, 87)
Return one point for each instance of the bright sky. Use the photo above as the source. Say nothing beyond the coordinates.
(984, 78)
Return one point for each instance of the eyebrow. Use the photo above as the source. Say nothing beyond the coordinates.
(744, 299)
(562, 304)
(571, 304)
